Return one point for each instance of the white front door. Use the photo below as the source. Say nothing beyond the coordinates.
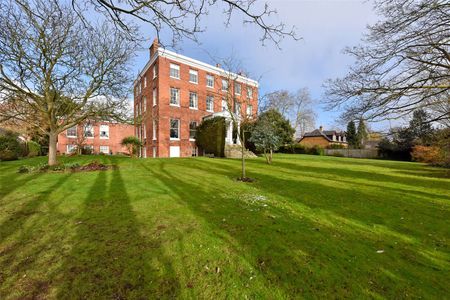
(174, 151)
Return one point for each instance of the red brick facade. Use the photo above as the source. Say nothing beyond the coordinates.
(108, 142)
(159, 111)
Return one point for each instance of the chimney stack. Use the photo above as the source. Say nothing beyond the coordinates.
(321, 128)
(217, 65)
(154, 47)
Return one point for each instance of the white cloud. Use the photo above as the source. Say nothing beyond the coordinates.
(326, 27)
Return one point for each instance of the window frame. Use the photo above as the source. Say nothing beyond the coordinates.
(100, 149)
(249, 114)
(210, 97)
(178, 97)
(90, 147)
(155, 71)
(194, 151)
(154, 125)
(76, 132)
(196, 100)
(74, 147)
(237, 84)
(173, 128)
(227, 85)
(237, 108)
(100, 132)
(249, 95)
(194, 130)
(154, 96)
(175, 67)
(224, 108)
(194, 73)
(85, 130)
(138, 109)
(208, 79)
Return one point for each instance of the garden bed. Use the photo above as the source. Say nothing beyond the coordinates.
(63, 167)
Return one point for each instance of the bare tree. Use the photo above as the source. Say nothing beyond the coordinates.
(56, 71)
(84, 130)
(403, 63)
(297, 107)
(183, 17)
(304, 114)
(283, 101)
(235, 102)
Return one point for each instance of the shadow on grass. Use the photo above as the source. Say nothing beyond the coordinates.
(401, 167)
(110, 259)
(306, 250)
(262, 241)
(19, 217)
(11, 180)
(17, 256)
(369, 175)
(368, 201)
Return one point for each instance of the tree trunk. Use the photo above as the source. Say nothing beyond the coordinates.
(52, 149)
(267, 158)
(270, 156)
(131, 151)
(242, 154)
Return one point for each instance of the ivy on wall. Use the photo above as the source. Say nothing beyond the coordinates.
(210, 136)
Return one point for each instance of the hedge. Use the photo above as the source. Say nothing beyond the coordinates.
(10, 147)
(33, 148)
(300, 149)
(210, 136)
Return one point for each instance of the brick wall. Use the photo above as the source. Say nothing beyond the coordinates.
(116, 133)
(163, 111)
(310, 141)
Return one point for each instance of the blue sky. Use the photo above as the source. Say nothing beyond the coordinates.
(325, 26)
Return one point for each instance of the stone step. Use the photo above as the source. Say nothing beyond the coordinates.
(235, 151)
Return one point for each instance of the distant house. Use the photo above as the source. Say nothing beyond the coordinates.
(95, 137)
(372, 141)
(323, 138)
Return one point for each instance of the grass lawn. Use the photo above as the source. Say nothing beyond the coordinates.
(309, 227)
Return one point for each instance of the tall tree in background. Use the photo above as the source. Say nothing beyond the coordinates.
(403, 64)
(283, 127)
(281, 100)
(56, 71)
(352, 138)
(183, 18)
(362, 134)
(305, 116)
(420, 127)
(297, 107)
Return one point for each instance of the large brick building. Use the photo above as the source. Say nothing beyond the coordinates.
(173, 93)
(95, 137)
